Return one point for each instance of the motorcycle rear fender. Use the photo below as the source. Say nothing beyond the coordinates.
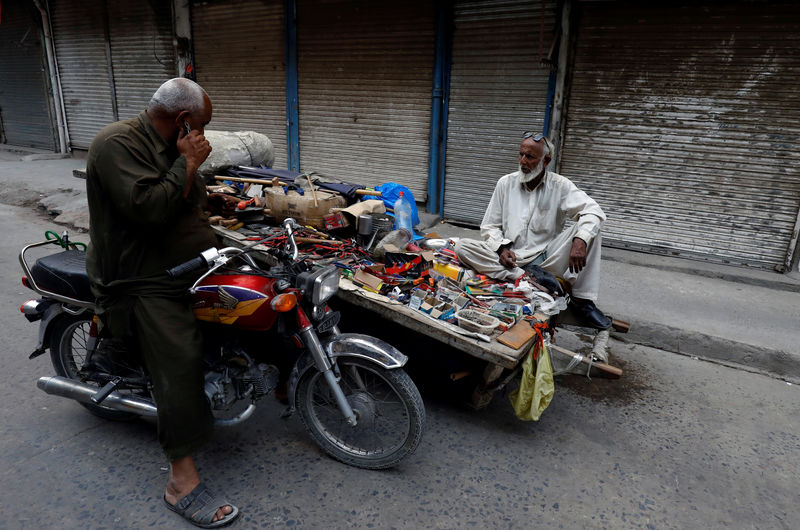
(348, 345)
(52, 311)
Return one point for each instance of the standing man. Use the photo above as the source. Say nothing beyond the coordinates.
(146, 208)
(524, 229)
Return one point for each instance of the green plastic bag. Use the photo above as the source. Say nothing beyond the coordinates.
(536, 390)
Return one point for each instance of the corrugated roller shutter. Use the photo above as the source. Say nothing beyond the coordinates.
(683, 123)
(365, 81)
(24, 107)
(141, 50)
(239, 51)
(497, 91)
(81, 54)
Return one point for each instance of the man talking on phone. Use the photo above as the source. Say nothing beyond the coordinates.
(147, 214)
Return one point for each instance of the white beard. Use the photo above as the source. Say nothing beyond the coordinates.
(527, 177)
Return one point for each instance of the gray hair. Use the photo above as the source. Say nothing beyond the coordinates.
(548, 148)
(176, 95)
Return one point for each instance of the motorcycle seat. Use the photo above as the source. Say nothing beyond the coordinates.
(64, 273)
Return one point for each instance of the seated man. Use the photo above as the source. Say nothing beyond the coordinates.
(524, 231)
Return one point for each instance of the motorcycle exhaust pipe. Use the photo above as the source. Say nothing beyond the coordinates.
(61, 386)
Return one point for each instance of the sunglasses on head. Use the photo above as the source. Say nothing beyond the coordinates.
(537, 137)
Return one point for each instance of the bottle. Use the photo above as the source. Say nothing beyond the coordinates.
(402, 214)
(398, 238)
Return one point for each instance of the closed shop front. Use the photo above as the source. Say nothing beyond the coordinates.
(683, 122)
(498, 89)
(239, 50)
(364, 89)
(112, 55)
(25, 118)
(142, 52)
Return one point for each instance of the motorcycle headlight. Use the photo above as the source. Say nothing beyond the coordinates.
(320, 285)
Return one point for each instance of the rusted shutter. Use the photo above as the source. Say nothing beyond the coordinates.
(239, 55)
(683, 123)
(497, 91)
(80, 45)
(24, 105)
(142, 52)
(365, 81)
(110, 75)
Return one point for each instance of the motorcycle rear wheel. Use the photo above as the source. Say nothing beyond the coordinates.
(389, 409)
(68, 349)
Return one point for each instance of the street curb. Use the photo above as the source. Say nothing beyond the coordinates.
(771, 362)
(784, 282)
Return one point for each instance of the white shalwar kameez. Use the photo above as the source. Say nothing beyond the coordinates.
(533, 221)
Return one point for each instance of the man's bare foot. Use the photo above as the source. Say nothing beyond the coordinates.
(183, 478)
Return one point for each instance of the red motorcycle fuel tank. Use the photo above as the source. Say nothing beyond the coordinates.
(238, 300)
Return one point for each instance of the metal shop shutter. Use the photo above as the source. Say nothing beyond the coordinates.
(497, 90)
(82, 65)
(24, 106)
(141, 50)
(364, 90)
(239, 49)
(98, 91)
(683, 123)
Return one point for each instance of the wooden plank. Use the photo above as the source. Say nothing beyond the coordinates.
(493, 352)
(519, 335)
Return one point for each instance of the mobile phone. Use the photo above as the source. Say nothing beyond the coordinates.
(186, 127)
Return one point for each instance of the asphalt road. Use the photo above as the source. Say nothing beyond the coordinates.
(677, 443)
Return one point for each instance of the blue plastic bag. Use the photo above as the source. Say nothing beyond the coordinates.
(391, 191)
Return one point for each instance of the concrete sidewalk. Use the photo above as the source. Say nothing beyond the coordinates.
(746, 318)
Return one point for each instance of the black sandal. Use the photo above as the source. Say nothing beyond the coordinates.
(200, 506)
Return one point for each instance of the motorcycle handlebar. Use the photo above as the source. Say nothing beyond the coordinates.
(209, 257)
(194, 264)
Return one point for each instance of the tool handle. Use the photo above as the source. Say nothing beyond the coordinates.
(275, 182)
(611, 371)
(244, 204)
(318, 240)
(263, 182)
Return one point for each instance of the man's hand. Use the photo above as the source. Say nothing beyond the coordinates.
(507, 258)
(222, 204)
(577, 255)
(196, 149)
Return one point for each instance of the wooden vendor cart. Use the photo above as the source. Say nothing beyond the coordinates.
(501, 362)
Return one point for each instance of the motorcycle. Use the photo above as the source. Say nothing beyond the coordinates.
(349, 389)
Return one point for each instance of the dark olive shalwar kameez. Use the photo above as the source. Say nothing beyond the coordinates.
(141, 225)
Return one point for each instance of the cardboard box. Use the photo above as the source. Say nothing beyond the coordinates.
(334, 221)
(368, 280)
(428, 304)
(449, 270)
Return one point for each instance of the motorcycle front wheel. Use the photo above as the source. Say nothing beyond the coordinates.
(69, 341)
(387, 405)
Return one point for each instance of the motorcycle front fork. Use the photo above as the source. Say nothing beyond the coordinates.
(310, 339)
